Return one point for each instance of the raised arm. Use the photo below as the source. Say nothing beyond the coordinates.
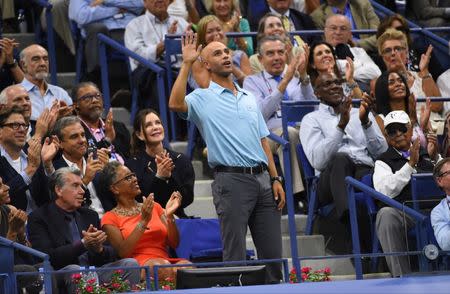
(190, 54)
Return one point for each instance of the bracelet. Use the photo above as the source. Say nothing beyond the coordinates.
(171, 219)
(141, 226)
(427, 76)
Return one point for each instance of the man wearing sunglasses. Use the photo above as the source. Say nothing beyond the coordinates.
(21, 171)
(440, 215)
(392, 175)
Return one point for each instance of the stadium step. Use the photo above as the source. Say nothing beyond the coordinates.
(66, 80)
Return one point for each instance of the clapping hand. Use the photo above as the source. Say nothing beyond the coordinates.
(147, 208)
(164, 165)
(110, 132)
(364, 108)
(414, 153)
(93, 239)
(425, 59)
(173, 204)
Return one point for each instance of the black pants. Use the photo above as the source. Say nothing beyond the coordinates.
(332, 187)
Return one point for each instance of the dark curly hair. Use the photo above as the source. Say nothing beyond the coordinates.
(312, 72)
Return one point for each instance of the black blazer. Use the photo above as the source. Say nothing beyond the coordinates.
(107, 201)
(121, 142)
(38, 187)
(49, 232)
(303, 21)
(182, 179)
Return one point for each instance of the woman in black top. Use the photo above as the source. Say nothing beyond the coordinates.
(159, 170)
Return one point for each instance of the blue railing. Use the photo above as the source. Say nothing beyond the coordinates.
(7, 248)
(160, 73)
(50, 39)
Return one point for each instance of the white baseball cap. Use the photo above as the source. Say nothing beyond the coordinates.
(397, 116)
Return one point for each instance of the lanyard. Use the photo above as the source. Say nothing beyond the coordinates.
(269, 87)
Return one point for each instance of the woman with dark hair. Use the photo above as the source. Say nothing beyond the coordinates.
(445, 148)
(392, 93)
(322, 59)
(159, 170)
(143, 231)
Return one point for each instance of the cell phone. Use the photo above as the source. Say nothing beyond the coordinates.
(92, 149)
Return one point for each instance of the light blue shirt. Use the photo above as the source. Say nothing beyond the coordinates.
(440, 221)
(321, 138)
(232, 126)
(23, 159)
(39, 102)
(108, 13)
(265, 89)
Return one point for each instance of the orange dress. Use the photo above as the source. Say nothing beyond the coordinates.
(152, 244)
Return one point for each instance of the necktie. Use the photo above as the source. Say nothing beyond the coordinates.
(75, 233)
(287, 27)
(405, 154)
(278, 80)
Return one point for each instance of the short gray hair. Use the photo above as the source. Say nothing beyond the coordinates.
(3, 98)
(64, 122)
(269, 39)
(59, 178)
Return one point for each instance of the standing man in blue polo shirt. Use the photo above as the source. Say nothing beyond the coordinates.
(246, 187)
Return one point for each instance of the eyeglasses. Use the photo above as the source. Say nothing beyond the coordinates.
(336, 28)
(393, 129)
(444, 174)
(127, 178)
(15, 126)
(338, 82)
(97, 96)
(397, 49)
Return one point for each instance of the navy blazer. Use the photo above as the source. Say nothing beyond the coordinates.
(49, 232)
(107, 201)
(38, 187)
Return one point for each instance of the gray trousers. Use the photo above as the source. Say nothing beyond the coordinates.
(241, 200)
(65, 281)
(392, 227)
(7, 7)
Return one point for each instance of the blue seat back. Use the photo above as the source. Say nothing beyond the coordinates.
(424, 188)
(293, 112)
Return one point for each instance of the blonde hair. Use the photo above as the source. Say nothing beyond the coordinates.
(391, 34)
(209, 4)
(201, 28)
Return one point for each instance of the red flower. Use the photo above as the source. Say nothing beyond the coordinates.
(293, 271)
(76, 276)
(119, 271)
(327, 270)
(304, 277)
(89, 289)
(116, 285)
(91, 281)
(166, 287)
(306, 269)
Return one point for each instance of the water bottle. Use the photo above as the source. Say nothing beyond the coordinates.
(22, 21)
(92, 148)
(92, 275)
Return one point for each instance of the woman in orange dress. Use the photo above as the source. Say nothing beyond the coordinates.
(143, 231)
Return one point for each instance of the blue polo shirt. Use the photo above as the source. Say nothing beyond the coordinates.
(232, 126)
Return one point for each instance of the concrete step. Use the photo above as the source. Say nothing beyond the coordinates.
(313, 245)
(203, 188)
(179, 146)
(202, 207)
(300, 224)
(24, 40)
(66, 80)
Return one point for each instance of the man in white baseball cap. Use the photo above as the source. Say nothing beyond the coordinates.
(392, 174)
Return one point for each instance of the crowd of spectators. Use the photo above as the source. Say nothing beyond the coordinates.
(94, 194)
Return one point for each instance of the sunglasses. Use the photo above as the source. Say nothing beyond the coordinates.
(393, 129)
(127, 178)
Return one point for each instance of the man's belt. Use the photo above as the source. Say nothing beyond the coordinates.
(254, 170)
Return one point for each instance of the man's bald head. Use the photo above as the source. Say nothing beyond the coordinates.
(16, 95)
(217, 59)
(34, 61)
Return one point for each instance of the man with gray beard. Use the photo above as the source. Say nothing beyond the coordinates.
(34, 63)
(110, 134)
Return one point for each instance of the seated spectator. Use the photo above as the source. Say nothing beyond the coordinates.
(398, 22)
(21, 171)
(305, 6)
(293, 20)
(392, 93)
(159, 170)
(392, 175)
(210, 29)
(34, 62)
(145, 35)
(271, 25)
(440, 217)
(339, 141)
(17, 96)
(106, 17)
(445, 146)
(71, 150)
(71, 235)
(444, 88)
(360, 13)
(12, 227)
(227, 11)
(322, 59)
(275, 84)
(10, 72)
(393, 46)
(429, 13)
(109, 134)
(61, 22)
(338, 34)
(145, 230)
(185, 9)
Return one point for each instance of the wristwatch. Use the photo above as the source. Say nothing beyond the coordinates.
(304, 81)
(277, 178)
